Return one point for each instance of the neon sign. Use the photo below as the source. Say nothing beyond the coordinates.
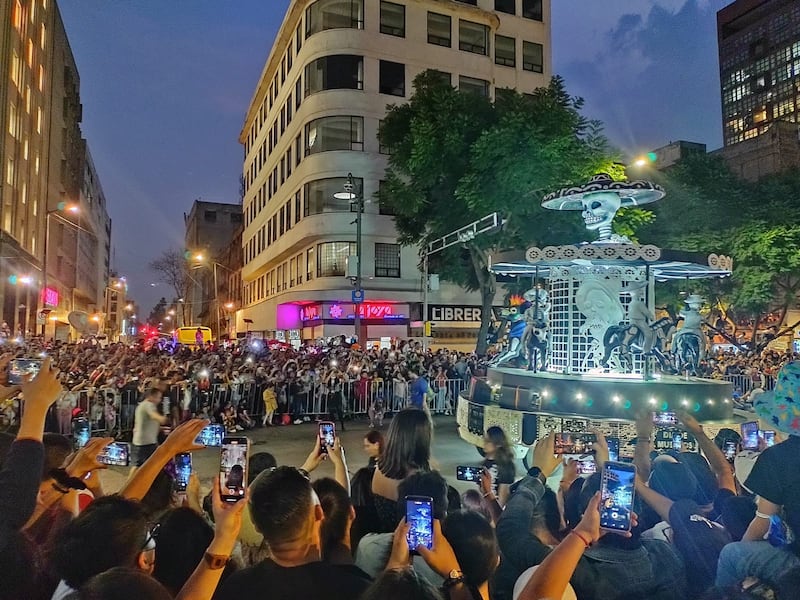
(49, 297)
(372, 310)
(310, 313)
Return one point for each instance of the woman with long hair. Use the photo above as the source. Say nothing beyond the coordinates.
(407, 451)
(373, 446)
(499, 462)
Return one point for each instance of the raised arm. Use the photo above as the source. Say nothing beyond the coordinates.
(716, 458)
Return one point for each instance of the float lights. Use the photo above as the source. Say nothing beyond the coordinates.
(589, 402)
(726, 401)
(652, 400)
(684, 402)
(710, 401)
(545, 394)
(579, 396)
(697, 407)
(628, 404)
(665, 406)
(615, 398)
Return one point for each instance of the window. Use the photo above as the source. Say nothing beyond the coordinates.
(439, 29)
(471, 2)
(532, 9)
(332, 258)
(443, 76)
(12, 120)
(334, 14)
(392, 78)
(387, 260)
(298, 202)
(340, 71)
(532, 57)
(298, 149)
(16, 16)
(335, 133)
(473, 37)
(393, 19)
(298, 41)
(41, 78)
(39, 120)
(381, 148)
(310, 264)
(10, 171)
(473, 86)
(29, 53)
(210, 216)
(383, 207)
(319, 198)
(42, 36)
(298, 92)
(15, 66)
(505, 51)
(236, 218)
(506, 6)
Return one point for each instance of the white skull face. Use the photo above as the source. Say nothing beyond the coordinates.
(599, 209)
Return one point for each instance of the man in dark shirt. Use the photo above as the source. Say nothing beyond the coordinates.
(286, 511)
(775, 479)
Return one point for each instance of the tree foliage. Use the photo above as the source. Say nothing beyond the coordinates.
(172, 269)
(457, 157)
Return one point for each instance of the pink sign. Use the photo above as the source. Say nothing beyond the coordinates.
(373, 310)
(49, 297)
(309, 313)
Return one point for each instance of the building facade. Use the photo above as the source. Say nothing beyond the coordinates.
(211, 229)
(45, 215)
(759, 58)
(334, 67)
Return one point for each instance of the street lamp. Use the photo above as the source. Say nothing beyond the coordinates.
(201, 258)
(349, 194)
(73, 208)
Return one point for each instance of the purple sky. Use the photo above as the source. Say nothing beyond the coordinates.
(165, 86)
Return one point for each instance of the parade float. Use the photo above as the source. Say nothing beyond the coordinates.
(584, 347)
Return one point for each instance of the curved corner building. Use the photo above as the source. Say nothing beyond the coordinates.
(334, 67)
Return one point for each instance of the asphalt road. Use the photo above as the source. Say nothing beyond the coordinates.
(290, 444)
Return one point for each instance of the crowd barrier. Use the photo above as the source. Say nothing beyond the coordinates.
(743, 384)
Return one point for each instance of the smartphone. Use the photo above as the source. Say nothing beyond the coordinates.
(616, 496)
(233, 457)
(327, 435)
(116, 454)
(665, 419)
(211, 436)
(768, 436)
(20, 367)
(729, 450)
(574, 443)
(183, 469)
(81, 431)
(750, 435)
(677, 441)
(469, 474)
(419, 516)
(587, 467)
(613, 448)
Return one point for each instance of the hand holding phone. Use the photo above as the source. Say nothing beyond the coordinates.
(81, 432)
(616, 496)
(327, 436)
(665, 419)
(419, 517)
(18, 368)
(233, 461)
(183, 471)
(574, 443)
(750, 435)
(116, 454)
(211, 436)
(472, 474)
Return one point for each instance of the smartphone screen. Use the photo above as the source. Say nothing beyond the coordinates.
(19, 367)
(327, 435)
(233, 468)
(587, 467)
(768, 436)
(677, 441)
(613, 448)
(665, 419)
(616, 492)
(183, 469)
(469, 474)
(729, 449)
(116, 454)
(419, 516)
(211, 436)
(574, 443)
(81, 431)
(750, 435)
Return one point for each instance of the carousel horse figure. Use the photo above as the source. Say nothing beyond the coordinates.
(689, 342)
(631, 338)
(537, 319)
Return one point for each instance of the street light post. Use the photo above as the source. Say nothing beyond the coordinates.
(352, 197)
(60, 206)
(214, 264)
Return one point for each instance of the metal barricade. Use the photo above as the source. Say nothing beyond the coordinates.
(743, 384)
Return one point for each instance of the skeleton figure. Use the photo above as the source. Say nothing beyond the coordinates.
(598, 214)
(537, 319)
(689, 342)
(641, 317)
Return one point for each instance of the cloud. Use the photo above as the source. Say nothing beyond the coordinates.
(649, 73)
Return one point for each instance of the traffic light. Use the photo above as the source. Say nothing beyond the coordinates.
(12, 279)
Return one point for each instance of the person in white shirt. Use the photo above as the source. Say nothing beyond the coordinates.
(146, 425)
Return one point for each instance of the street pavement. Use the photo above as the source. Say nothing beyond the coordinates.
(291, 444)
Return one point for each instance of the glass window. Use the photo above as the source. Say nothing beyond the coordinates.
(473, 37)
(506, 6)
(473, 86)
(532, 9)
(310, 264)
(383, 207)
(210, 216)
(334, 14)
(340, 71)
(387, 260)
(392, 78)
(505, 51)
(334, 133)
(532, 57)
(319, 198)
(332, 258)
(439, 29)
(443, 76)
(393, 19)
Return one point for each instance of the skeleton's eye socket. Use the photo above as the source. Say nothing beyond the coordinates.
(595, 205)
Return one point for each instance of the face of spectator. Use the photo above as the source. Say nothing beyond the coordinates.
(371, 450)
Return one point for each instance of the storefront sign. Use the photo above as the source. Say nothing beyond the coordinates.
(458, 314)
(50, 297)
(373, 310)
(336, 311)
(310, 313)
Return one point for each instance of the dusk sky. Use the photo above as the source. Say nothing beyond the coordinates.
(165, 86)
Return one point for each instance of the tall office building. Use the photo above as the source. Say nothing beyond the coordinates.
(759, 60)
(334, 67)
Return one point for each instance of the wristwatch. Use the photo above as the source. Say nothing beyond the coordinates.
(453, 578)
(215, 561)
(537, 472)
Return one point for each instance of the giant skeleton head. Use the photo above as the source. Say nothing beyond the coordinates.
(599, 210)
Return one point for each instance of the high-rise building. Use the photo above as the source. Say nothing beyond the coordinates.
(43, 189)
(334, 67)
(759, 61)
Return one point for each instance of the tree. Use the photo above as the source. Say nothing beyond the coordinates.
(456, 157)
(172, 269)
(158, 312)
